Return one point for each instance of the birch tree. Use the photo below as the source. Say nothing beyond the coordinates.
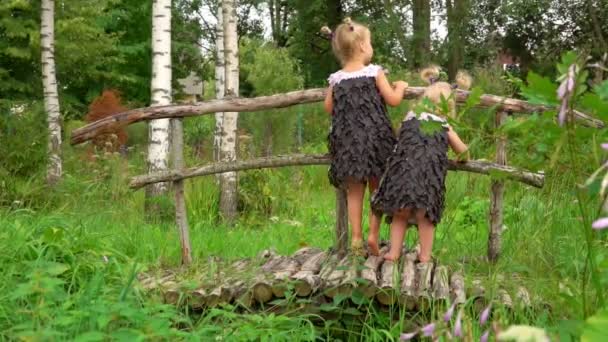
(228, 181)
(51, 97)
(158, 148)
(220, 79)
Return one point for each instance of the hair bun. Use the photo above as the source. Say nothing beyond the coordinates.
(347, 21)
(326, 30)
(463, 80)
(430, 74)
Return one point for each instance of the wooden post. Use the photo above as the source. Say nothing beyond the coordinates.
(181, 216)
(341, 243)
(498, 189)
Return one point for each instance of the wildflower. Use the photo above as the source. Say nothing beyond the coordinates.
(600, 223)
(408, 336)
(605, 146)
(458, 325)
(565, 92)
(485, 314)
(523, 333)
(448, 315)
(485, 336)
(428, 330)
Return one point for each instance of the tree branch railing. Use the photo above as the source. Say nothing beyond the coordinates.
(110, 123)
(475, 166)
(498, 170)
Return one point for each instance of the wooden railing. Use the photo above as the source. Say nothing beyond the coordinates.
(176, 112)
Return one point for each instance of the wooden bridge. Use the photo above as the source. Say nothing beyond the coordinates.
(311, 271)
(269, 279)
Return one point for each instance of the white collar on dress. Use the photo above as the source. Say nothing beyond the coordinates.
(426, 117)
(370, 70)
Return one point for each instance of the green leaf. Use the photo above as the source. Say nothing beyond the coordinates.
(594, 105)
(90, 336)
(55, 268)
(339, 298)
(602, 90)
(595, 329)
(540, 90)
(328, 307)
(474, 98)
(567, 60)
(351, 311)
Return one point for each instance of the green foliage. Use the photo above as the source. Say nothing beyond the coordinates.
(99, 45)
(540, 90)
(19, 57)
(23, 149)
(268, 70)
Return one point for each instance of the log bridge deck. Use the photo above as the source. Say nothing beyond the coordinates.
(311, 272)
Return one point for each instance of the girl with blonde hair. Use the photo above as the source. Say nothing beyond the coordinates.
(361, 136)
(413, 186)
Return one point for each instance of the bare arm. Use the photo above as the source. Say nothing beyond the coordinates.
(392, 96)
(329, 100)
(455, 142)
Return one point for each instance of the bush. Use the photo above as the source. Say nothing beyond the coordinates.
(23, 150)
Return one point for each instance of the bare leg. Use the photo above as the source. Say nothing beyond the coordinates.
(426, 231)
(398, 227)
(354, 197)
(374, 223)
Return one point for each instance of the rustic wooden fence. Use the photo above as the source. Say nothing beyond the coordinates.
(179, 172)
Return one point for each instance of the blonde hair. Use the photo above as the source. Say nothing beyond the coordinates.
(345, 39)
(436, 89)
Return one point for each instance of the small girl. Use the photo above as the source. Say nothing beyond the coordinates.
(413, 186)
(361, 137)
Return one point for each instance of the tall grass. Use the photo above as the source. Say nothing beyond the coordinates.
(67, 268)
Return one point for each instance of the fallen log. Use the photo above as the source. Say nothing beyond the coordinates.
(424, 290)
(476, 166)
(388, 291)
(441, 284)
(457, 289)
(408, 281)
(307, 280)
(370, 273)
(119, 120)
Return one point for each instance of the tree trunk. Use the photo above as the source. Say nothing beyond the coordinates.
(421, 12)
(228, 181)
(456, 13)
(51, 97)
(334, 12)
(220, 83)
(158, 148)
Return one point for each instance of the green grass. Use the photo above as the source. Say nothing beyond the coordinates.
(55, 284)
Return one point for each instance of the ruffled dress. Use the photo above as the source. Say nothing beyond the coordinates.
(416, 170)
(361, 137)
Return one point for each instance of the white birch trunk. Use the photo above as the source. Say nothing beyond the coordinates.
(220, 82)
(158, 148)
(228, 181)
(51, 97)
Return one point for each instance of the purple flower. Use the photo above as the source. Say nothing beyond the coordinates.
(408, 336)
(600, 223)
(605, 146)
(448, 315)
(564, 92)
(571, 77)
(428, 330)
(485, 336)
(561, 91)
(458, 325)
(485, 314)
